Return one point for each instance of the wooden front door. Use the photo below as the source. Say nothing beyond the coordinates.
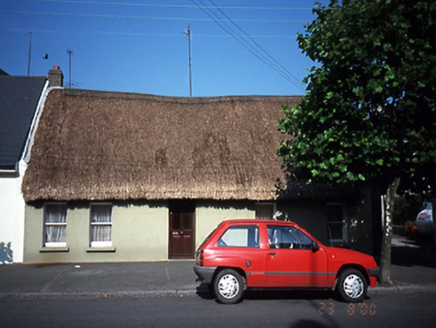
(181, 234)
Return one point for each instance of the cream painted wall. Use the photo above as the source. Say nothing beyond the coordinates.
(12, 217)
(210, 214)
(140, 233)
(140, 230)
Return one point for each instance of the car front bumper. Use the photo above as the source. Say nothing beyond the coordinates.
(374, 276)
(204, 274)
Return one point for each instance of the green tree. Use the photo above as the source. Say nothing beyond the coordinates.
(369, 113)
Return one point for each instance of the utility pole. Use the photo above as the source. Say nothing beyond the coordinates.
(69, 52)
(30, 52)
(188, 35)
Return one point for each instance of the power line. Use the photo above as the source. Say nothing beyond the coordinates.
(150, 5)
(148, 34)
(242, 40)
(258, 45)
(9, 12)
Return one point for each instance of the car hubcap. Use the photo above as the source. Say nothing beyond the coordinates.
(228, 286)
(353, 286)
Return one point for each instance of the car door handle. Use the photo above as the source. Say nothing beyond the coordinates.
(272, 253)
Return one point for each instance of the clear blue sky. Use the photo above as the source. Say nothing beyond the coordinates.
(139, 46)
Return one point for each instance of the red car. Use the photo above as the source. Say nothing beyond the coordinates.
(242, 254)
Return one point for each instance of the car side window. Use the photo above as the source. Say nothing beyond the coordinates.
(240, 236)
(288, 237)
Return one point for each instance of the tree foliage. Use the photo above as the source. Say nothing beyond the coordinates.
(369, 113)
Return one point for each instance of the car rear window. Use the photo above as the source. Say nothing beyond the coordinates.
(207, 238)
(240, 236)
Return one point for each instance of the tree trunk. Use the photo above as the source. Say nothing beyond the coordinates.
(385, 256)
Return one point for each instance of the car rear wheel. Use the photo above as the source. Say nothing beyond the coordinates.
(228, 286)
(352, 286)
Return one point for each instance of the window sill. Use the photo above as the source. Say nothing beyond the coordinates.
(54, 250)
(101, 250)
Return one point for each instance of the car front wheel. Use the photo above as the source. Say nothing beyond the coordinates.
(228, 286)
(352, 286)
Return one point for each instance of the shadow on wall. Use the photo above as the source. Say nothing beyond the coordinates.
(6, 253)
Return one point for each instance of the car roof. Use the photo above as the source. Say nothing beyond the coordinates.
(256, 221)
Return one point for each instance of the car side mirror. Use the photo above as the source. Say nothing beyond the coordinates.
(315, 246)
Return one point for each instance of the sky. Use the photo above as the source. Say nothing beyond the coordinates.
(239, 47)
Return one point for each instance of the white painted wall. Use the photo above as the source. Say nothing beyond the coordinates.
(12, 208)
(12, 205)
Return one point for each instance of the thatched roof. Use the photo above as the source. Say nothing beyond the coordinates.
(93, 145)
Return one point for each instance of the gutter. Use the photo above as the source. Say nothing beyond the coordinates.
(10, 172)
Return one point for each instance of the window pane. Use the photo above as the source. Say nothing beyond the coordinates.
(288, 237)
(176, 221)
(101, 213)
(336, 222)
(187, 221)
(101, 224)
(55, 213)
(334, 213)
(55, 224)
(264, 211)
(101, 233)
(335, 230)
(305, 242)
(55, 234)
(240, 236)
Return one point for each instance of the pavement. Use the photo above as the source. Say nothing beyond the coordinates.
(413, 270)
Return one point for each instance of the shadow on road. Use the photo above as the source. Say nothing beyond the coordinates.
(268, 294)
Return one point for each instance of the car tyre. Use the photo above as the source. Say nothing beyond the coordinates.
(352, 286)
(228, 286)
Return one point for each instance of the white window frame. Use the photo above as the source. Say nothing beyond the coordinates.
(344, 223)
(100, 244)
(49, 244)
(274, 209)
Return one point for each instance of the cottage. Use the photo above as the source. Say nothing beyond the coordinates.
(133, 177)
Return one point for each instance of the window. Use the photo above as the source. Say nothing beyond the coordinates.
(101, 225)
(337, 223)
(55, 225)
(265, 211)
(240, 236)
(288, 237)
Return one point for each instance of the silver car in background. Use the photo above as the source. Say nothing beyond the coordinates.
(424, 221)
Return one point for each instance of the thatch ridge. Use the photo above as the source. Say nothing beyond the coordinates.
(176, 99)
(98, 145)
